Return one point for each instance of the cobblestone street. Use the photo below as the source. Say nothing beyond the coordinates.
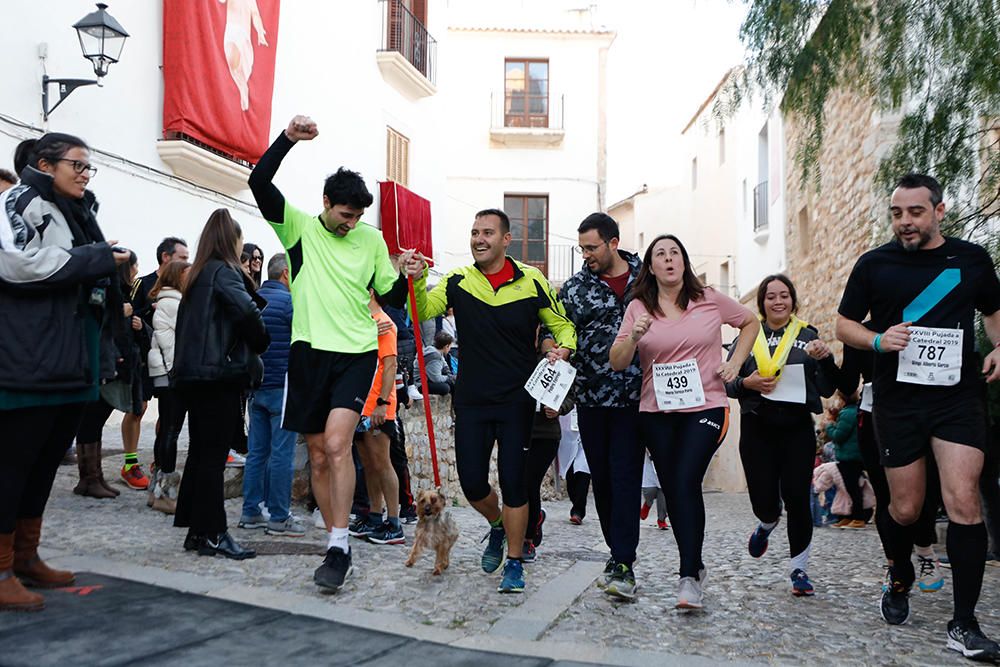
(750, 615)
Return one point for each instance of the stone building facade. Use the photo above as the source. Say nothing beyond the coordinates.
(836, 215)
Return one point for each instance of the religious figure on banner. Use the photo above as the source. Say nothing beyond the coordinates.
(240, 14)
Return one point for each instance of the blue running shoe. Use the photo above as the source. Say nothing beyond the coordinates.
(758, 541)
(513, 577)
(931, 577)
(493, 554)
(801, 586)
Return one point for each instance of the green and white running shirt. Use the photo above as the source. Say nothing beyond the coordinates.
(330, 276)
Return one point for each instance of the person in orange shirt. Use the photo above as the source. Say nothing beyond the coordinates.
(377, 427)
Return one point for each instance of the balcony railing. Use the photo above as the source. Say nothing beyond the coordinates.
(403, 33)
(760, 207)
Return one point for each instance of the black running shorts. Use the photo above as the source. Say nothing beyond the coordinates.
(319, 381)
(904, 433)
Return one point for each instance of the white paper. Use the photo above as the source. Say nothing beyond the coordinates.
(549, 383)
(867, 400)
(678, 385)
(791, 387)
(932, 357)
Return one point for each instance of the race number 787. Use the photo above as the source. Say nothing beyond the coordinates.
(930, 352)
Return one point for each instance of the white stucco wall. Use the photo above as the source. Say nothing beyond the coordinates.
(322, 70)
(480, 170)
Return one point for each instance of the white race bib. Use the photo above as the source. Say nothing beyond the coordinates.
(933, 357)
(791, 387)
(678, 385)
(867, 400)
(549, 383)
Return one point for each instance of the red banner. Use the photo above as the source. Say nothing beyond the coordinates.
(406, 219)
(218, 72)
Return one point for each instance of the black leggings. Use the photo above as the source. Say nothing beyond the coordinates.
(778, 462)
(33, 443)
(476, 429)
(681, 445)
(924, 531)
(401, 464)
(537, 460)
(850, 472)
(213, 408)
(577, 486)
(172, 414)
(95, 416)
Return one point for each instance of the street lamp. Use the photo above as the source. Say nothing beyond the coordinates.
(101, 40)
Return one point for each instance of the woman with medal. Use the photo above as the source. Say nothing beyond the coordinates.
(674, 323)
(779, 389)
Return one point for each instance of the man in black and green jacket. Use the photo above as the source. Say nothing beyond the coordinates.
(499, 304)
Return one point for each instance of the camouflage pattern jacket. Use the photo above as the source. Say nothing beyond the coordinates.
(597, 313)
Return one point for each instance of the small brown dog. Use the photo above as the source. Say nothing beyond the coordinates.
(435, 529)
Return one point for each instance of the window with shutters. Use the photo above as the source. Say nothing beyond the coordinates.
(526, 92)
(397, 157)
(529, 229)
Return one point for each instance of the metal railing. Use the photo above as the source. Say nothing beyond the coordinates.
(403, 33)
(553, 119)
(760, 206)
(562, 262)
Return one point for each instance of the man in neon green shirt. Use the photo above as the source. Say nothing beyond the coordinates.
(333, 260)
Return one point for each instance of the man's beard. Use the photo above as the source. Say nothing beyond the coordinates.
(913, 246)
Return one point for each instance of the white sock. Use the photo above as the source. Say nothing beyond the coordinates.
(338, 538)
(801, 561)
(924, 552)
(769, 526)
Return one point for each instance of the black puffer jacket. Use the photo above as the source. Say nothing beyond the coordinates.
(54, 270)
(220, 332)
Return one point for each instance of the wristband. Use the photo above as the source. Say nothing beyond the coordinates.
(382, 401)
(876, 343)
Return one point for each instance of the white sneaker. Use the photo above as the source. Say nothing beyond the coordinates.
(235, 460)
(318, 519)
(414, 393)
(689, 594)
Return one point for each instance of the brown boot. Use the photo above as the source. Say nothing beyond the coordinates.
(165, 492)
(89, 464)
(28, 565)
(13, 595)
(99, 470)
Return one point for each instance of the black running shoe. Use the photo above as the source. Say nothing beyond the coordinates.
(895, 606)
(621, 583)
(609, 567)
(335, 570)
(966, 638)
(538, 528)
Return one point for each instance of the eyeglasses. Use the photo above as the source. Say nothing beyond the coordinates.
(588, 249)
(258, 258)
(80, 167)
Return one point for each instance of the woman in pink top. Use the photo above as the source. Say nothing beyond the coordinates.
(674, 322)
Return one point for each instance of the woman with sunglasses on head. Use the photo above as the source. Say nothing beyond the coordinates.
(219, 335)
(255, 262)
(675, 324)
(56, 303)
(779, 388)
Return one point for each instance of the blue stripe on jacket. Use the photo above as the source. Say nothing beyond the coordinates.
(277, 318)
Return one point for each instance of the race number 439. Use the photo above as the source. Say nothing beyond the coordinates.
(678, 385)
(932, 357)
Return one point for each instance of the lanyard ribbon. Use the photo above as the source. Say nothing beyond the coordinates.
(769, 365)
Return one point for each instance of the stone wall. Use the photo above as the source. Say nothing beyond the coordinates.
(418, 451)
(830, 223)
